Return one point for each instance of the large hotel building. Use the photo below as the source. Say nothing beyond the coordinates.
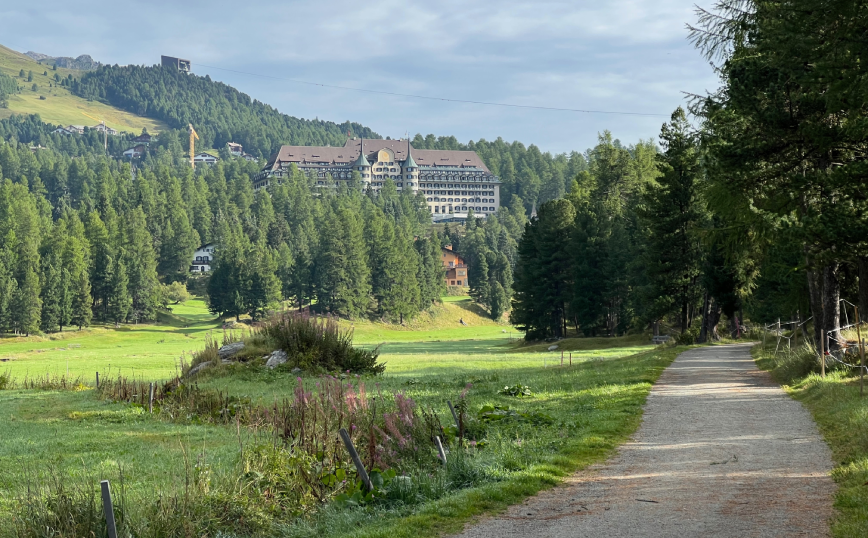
(453, 182)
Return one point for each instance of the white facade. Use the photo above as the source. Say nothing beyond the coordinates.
(206, 158)
(135, 153)
(202, 259)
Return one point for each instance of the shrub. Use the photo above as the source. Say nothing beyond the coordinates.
(319, 342)
(688, 337)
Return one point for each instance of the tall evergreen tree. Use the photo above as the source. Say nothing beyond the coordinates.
(672, 213)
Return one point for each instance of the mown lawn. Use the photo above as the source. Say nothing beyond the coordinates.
(151, 351)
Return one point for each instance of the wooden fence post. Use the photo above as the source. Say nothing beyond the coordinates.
(822, 353)
(454, 414)
(440, 449)
(861, 354)
(571, 358)
(151, 399)
(109, 509)
(348, 443)
(97, 380)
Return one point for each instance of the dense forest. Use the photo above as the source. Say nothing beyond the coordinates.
(88, 238)
(758, 213)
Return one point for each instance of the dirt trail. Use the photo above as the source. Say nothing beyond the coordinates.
(722, 451)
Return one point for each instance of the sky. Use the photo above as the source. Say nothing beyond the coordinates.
(615, 56)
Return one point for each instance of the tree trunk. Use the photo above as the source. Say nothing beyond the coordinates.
(832, 304)
(683, 317)
(863, 287)
(714, 311)
(815, 293)
(733, 325)
(703, 328)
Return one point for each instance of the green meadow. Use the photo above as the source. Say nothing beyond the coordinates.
(592, 406)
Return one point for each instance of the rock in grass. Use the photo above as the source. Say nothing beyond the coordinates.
(198, 368)
(229, 350)
(552, 348)
(276, 359)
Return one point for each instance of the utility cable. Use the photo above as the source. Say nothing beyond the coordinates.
(430, 98)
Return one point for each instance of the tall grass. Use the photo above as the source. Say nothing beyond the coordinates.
(319, 342)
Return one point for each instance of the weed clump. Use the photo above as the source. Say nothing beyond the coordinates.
(319, 343)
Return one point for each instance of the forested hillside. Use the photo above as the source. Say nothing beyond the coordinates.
(89, 238)
(219, 112)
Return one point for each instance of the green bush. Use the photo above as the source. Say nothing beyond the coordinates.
(688, 337)
(319, 342)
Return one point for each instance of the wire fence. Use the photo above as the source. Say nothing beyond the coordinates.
(843, 345)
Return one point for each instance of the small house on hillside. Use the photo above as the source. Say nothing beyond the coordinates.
(202, 258)
(135, 152)
(235, 149)
(206, 158)
(100, 128)
(62, 131)
(77, 129)
(143, 139)
(456, 269)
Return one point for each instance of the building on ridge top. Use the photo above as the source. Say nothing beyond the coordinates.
(453, 182)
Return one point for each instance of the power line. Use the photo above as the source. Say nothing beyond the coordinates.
(446, 99)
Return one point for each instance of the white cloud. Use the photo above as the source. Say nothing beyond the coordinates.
(620, 55)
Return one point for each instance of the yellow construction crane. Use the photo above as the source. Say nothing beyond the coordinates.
(193, 136)
(104, 130)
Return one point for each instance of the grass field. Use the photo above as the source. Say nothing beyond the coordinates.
(60, 106)
(594, 405)
(148, 350)
(842, 417)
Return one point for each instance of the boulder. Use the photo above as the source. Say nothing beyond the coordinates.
(229, 350)
(296, 370)
(552, 348)
(276, 359)
(198, 368)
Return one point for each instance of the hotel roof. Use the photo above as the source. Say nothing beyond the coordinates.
(349, 154)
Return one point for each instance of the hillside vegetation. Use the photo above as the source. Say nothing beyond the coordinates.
(61, 106)
(219, 112)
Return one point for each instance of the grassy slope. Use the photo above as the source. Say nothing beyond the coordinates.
(60, 105)
(842, 417)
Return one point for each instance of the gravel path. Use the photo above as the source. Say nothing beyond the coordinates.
(722, 451)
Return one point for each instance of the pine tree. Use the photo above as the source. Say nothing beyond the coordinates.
(672, 215)
(401, 297)
(53, 295)
(26, 303)
(141, 264)
(342, 271)
(262, 287)
(119, 300)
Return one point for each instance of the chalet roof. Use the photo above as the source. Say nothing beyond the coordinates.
(349, 153)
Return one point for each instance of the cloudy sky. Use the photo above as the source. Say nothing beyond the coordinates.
(615, 55)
